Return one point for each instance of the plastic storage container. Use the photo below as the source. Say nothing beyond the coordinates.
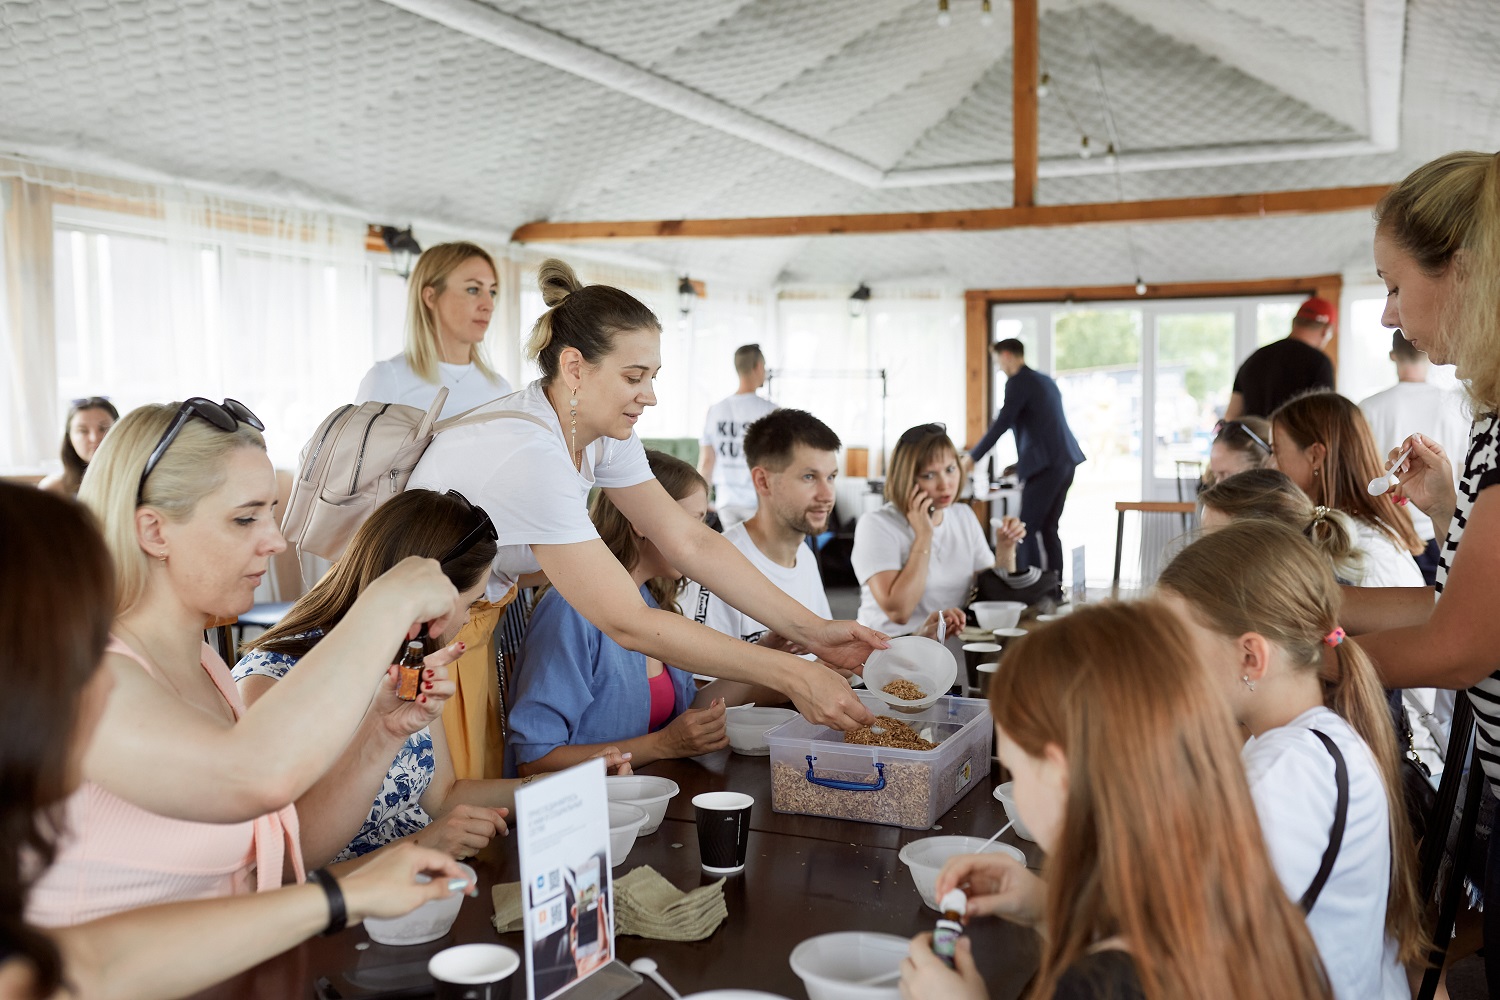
(909, 788)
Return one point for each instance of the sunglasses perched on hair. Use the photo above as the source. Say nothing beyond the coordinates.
(1225, 427)
(89, 402)
(226, 416)
(917, 433)
(483, 527)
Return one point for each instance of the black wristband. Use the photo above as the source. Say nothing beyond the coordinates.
(338, 915)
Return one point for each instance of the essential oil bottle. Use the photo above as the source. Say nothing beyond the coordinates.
(409, 676)
(950, 925)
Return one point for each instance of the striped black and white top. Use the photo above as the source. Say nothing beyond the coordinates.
(1481, 470)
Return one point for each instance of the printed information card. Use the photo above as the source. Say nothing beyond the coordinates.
(563, 828)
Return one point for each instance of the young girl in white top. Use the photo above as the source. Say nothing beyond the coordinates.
(918, 555)
(449, 307)
(532, 466)
(1324, 444)
(1321, 744)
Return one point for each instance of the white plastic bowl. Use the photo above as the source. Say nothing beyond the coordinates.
(997, 614)
(925, 662)
(1005, 795)
(832, 965)
(926, 857)
(427, 922)
(734, 995)
(625, 821)
(647, 791)
(473, 964)
(748, 726)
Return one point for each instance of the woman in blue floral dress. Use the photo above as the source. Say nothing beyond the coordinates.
(395, 779)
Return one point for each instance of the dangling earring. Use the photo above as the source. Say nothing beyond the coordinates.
(1248, 682)
(573, 428)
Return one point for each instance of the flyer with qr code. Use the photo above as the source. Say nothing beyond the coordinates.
(562, 829)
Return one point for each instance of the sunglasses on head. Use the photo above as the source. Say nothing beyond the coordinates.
(226, 416)
(917, 433)
(1226, 427)
(89, 402)
(483, 527)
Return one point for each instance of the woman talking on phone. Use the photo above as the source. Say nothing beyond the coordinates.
(917, 556)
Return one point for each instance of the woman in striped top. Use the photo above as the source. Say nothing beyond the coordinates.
(1437, 247)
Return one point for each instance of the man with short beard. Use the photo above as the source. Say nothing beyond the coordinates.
(793, 459)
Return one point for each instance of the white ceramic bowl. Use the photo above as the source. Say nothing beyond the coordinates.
(427, 922)
(473, 964)
(925, 662)
(833, 965)
(625, 821)
(997, 614)
(925, 858)
(648, 791)
(748, 726)
(1005, 795)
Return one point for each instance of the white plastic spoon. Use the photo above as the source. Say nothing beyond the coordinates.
(996, 837)
(1381, 484)
(881, 979)
(647, 967)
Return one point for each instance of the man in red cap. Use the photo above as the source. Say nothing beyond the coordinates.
(1286, 368)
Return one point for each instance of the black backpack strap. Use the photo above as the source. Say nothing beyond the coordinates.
(1336, 832)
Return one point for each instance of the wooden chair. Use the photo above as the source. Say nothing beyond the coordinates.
(1143, 507)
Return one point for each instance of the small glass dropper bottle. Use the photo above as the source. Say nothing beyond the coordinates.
(950, 926)
(409, 673)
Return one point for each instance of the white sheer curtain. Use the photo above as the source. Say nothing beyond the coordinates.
(163, 292)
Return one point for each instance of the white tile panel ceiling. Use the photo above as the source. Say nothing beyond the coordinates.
(365, 104)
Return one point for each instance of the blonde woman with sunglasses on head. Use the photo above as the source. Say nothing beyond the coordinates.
(186, 793)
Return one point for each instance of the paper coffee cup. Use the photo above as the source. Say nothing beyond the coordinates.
(723, 830)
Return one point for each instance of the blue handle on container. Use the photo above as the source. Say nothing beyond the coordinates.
(848, 786)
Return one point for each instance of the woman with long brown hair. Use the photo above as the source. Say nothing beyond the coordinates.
(1157, 882)
(576, 689)
(395, 779)
(88, 421)
(1323, 443)
(59, 602)
(1322, 753)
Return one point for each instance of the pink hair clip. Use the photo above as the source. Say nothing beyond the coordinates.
(1335, 637)
(1401, 501)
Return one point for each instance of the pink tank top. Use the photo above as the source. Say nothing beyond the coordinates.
(663, 699)
(115, 856)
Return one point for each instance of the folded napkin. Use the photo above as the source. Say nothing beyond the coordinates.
(646, 905)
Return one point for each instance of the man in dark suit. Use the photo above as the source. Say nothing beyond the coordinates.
(1047, 453)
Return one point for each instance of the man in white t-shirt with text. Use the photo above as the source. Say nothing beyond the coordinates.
(1415, 406)
(721, 455)
(793, 462)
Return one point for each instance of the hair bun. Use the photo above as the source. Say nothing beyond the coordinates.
(557, 281)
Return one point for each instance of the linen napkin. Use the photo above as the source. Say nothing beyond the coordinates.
(646, 905)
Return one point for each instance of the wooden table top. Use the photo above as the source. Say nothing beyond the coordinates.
(804, 876)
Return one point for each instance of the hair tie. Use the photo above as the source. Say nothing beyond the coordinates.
(1320, 512)
(1335, 637)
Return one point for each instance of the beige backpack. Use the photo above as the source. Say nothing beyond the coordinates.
(361, 455)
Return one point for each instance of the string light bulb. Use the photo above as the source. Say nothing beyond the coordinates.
(1083, 148)
(1043, 84)
(944, 18)
(1109, 155)
(986, 15)
(1140, 285)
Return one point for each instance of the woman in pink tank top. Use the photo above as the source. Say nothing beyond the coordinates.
(186, 793)
(59, 589)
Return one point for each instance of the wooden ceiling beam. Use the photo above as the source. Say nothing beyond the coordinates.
(1229, 206)
(1025, 65)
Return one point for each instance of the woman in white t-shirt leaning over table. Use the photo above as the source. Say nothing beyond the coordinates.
(449, 307)
(531, 468)
(918, 555)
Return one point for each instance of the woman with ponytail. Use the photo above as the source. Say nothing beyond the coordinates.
(532, 466)
(1321, 757)
(1268, 495)
(1437, 247)
(1157, 884)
